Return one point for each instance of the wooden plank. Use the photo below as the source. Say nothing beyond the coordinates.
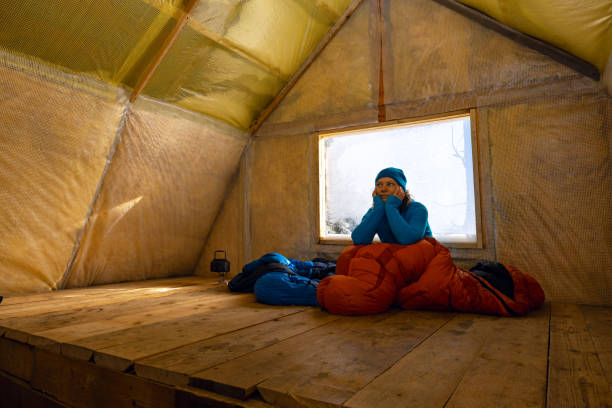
(141, 305)
(331, 381)
(599, 323)
(190, 397)
(53, 339)
(99, 298)
(19, 394)
(81, 384)
(325, 364)
(50, 329)
(119, 349)
(32, 340)
(16, 359)
(153, 315)
(176, 366)
(75, 339)
(167, 283)
(576, 377)
(511, 368)
(382, 112)
(428, 375)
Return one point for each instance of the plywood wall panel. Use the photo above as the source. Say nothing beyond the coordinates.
(165, 185)
(54, 141)
(550, 175)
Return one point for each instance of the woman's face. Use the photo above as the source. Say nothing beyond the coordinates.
(385, 186)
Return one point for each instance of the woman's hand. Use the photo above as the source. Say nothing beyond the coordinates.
(399, 192)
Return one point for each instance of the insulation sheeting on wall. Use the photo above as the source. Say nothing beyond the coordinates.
(552, 205)
(281, 208)
(583, 29)
(107, 40)
(169, 174)
(340, 87)
(229, 60)
(445, 71)
(227, 233)
(235, 56)
(57, 131)
(278, 34)
(212, 80)
(544, 148)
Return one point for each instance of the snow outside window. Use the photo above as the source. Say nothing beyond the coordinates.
(436, 157)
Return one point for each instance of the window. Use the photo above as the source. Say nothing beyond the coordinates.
(436, 156)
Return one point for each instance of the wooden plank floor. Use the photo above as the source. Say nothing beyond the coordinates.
(188, 341)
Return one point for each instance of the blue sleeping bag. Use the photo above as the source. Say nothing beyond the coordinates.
(251, 272)
(277, 280)
(281, 288)
(318, 268)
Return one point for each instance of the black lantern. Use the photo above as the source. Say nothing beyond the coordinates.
(220, 266)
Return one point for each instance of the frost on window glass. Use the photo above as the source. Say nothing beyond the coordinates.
(436, 158)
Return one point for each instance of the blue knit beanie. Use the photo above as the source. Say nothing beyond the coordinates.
(395, 173)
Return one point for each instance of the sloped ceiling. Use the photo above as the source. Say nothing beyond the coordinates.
(228, 61)
(232, 57)
(582, 28)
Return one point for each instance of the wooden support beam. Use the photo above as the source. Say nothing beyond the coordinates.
(557, 54)
(315, 53)
(162, 51)
(382, 112)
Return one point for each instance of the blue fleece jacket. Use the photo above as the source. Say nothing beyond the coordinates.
(392, 227)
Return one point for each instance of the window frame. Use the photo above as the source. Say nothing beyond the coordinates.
(471, 249)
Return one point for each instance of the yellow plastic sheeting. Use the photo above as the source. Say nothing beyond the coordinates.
(229, 61)
(279, 33)
(112, 41)
(340, 86)
(54, 143)
(233, 57)
(205, 77)
(582, 28)
(167, 180)
(459, 62)
(550, 170)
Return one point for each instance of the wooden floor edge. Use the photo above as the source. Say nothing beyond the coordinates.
(35, 377)
(17, 393)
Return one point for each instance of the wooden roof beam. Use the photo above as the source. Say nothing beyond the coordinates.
(144, 78)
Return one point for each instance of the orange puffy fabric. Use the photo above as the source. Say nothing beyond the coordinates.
(370, 278)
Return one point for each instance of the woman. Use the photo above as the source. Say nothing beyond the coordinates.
(395, 217)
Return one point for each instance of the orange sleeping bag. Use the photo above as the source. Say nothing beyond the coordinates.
(370, 278)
